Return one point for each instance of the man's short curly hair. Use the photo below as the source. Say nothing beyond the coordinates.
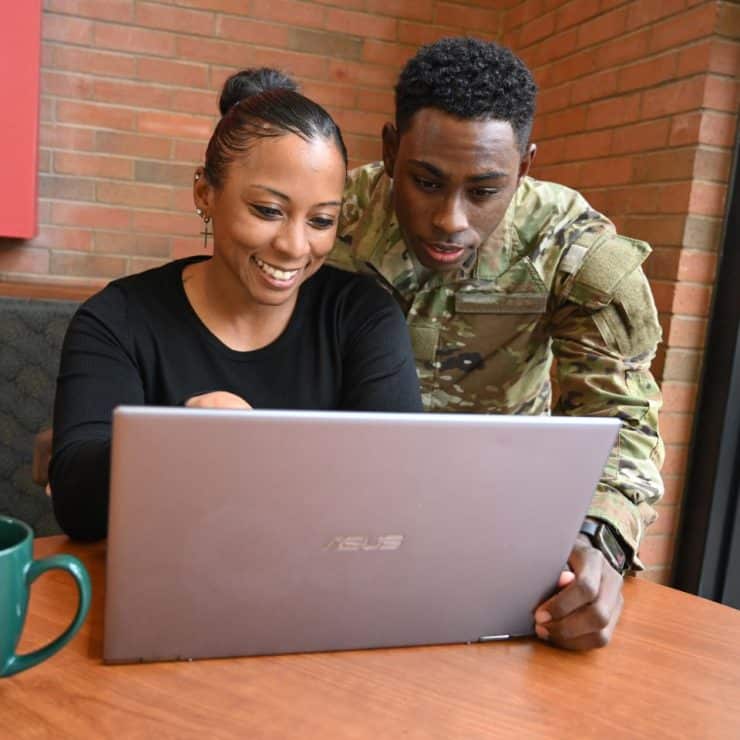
(468, 78)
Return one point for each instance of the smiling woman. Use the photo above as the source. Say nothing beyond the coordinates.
(257, 325)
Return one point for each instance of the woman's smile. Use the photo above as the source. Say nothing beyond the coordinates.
(274, 275)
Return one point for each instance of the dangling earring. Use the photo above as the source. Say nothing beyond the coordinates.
(205, 233)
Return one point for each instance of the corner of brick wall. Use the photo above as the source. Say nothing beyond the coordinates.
(637, 110)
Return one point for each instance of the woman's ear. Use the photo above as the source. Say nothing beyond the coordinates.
(390, 148)
(202, 193)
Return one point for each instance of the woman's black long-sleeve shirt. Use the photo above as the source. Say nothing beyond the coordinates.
(139, 342)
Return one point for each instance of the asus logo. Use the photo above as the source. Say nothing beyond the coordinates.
(359, 543)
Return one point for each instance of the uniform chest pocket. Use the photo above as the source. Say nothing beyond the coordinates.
(500, 303)
(502, 333)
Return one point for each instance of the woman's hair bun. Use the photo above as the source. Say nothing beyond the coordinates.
(250, 82)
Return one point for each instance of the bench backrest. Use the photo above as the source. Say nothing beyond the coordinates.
(31, 335)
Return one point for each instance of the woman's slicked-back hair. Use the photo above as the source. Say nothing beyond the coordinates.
(470, 79)
(258, 104)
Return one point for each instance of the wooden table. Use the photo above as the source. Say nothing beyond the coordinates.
(671, 671)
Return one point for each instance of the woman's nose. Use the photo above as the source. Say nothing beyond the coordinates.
(292, 240)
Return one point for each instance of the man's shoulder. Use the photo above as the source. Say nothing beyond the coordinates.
(366, 199)
(363, 181)
(543, 210)
(537, 193)
(562, 233)
(367, 217)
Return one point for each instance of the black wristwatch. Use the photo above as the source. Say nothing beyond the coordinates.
(603, 539)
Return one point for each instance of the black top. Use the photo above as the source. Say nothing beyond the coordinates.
(139, 342)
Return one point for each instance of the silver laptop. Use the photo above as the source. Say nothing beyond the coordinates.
(259, 532)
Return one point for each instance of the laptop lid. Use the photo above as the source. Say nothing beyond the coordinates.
(259, 532)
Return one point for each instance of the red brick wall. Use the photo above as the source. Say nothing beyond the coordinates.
(638, 111)
(129, 98)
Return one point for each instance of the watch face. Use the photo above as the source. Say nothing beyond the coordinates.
(611, 548)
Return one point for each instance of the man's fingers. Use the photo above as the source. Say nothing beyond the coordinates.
(589, 627)
(582, 590)
(566, 577)
(584, 613)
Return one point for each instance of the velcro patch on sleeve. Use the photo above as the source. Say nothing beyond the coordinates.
(608, 262)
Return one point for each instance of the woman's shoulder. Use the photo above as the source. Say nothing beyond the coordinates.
(145, 288)
(338, 283)
(349, 300)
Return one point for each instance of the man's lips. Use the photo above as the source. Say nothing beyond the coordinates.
(444, 251)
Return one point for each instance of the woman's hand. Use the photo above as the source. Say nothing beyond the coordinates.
(217, 400)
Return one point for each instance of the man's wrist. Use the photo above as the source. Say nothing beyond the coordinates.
(601, 535)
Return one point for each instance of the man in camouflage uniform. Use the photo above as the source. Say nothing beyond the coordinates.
(499, 275)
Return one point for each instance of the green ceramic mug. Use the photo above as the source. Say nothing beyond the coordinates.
(18, 570)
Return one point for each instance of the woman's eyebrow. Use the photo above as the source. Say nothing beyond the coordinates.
(274, 192)
(286, 198)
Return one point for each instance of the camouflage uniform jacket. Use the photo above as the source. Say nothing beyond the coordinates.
(553, 282)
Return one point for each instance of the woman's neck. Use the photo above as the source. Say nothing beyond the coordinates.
(228, 311)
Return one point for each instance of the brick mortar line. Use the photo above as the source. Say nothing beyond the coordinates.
(96, 204)
(665, 20)
(624, 65)
(117, 106)
(101, 153)
(211, 66)
(633, 185)
(675, 281)
(691, 43)
(260, 21)
(130, 80)
(224, 13)
(90, 46)
(633, 91)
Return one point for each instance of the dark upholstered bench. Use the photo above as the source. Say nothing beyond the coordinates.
(31, 335)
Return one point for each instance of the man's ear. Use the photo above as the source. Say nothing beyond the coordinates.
(202, 193)
(526, 162)
(390, 148)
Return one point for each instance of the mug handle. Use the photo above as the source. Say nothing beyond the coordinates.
(77, 570)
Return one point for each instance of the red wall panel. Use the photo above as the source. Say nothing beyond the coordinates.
(20, 60)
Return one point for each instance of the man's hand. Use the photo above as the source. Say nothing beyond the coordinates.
(586, 609)
(217, 400)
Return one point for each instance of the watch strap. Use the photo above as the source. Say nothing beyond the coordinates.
(604, 539)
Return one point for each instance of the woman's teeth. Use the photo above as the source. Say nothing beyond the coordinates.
(273, 271)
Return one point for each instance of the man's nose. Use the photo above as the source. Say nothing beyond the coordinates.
(450, 217)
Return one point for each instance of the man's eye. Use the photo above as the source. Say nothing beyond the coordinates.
(322, 222)
(425, 184)
(483, 193)
(267, 212)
